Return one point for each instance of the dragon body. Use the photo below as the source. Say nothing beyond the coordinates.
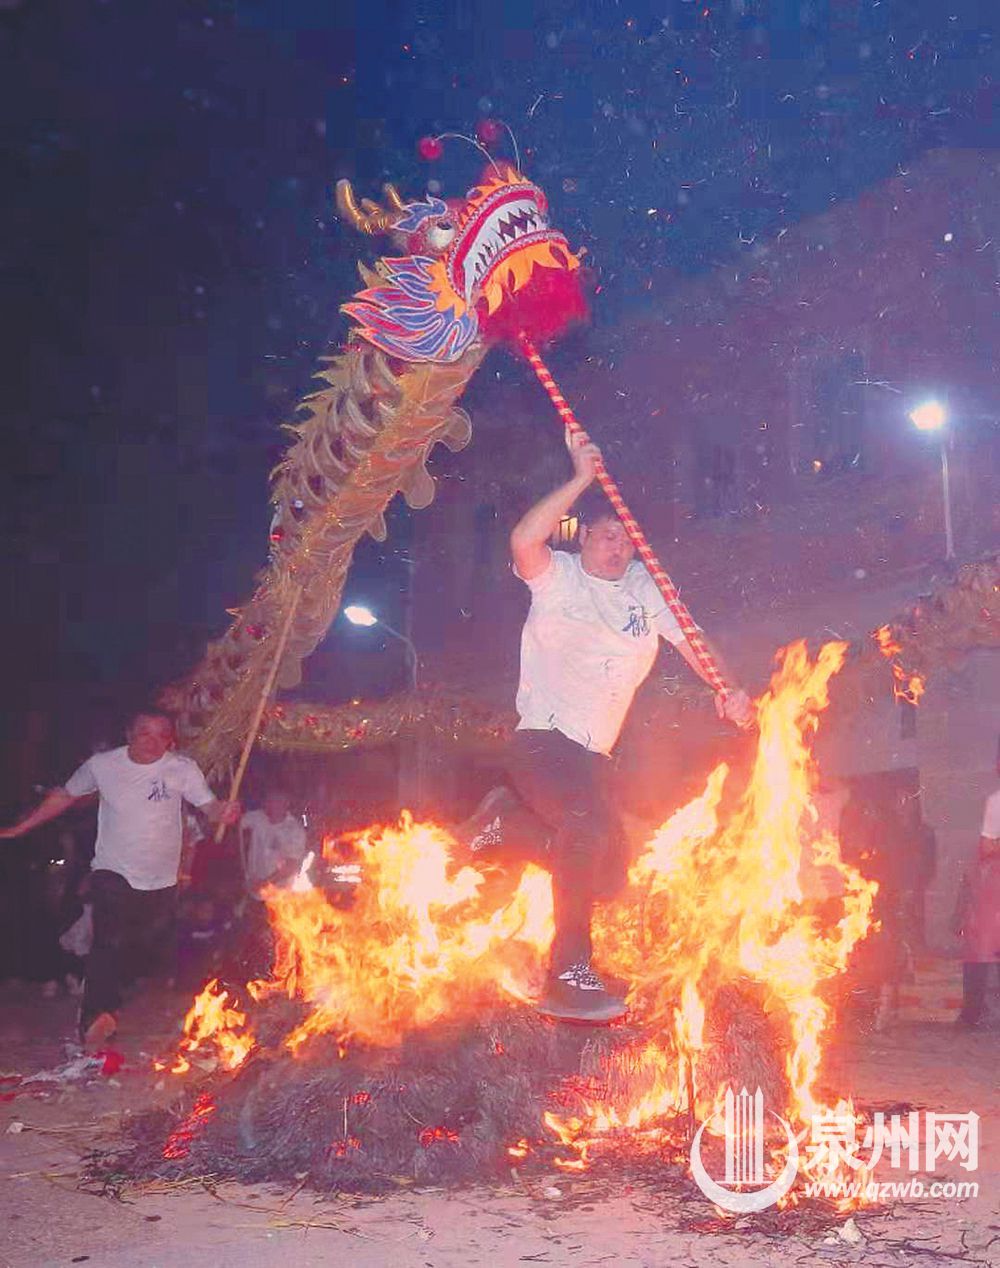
(469, 272)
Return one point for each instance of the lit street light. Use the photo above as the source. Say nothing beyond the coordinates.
(932, 416)
(358, 614)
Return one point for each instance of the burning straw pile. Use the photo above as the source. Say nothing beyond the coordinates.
(395, 1041)
(453, 1104)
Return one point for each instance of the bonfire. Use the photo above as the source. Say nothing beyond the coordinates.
(395, 1039)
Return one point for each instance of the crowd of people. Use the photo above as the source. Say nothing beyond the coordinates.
(161, 859)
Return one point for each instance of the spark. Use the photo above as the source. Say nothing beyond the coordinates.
(882, 383)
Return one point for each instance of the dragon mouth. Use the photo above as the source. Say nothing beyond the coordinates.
(512, 222)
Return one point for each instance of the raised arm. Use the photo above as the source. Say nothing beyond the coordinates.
(529, 540)
(55, 802)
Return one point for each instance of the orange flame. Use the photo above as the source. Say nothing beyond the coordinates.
(714, 910)
(420, 944)
(211, 1022)
(715, 902)
(906, 684)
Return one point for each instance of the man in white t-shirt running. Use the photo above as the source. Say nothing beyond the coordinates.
(590, 638)
(142, 787)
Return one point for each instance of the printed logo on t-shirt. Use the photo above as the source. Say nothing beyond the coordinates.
(158, 791)
(638, 621)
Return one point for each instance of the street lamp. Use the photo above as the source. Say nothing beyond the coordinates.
(932, 416)
(358, 614)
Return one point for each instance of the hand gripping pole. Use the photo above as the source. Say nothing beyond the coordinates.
(665, 586)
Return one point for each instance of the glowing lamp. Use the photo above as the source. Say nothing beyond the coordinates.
(930, 416)
(357, 614)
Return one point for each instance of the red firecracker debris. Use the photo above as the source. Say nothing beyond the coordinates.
(113, 1061)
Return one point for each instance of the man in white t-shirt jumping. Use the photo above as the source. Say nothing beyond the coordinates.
(142, 787)
(590, 638)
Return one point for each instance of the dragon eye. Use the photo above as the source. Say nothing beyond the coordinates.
(440, 235)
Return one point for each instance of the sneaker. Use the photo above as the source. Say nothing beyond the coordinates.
(484, 827)
(98, 1031)
(503, 825)
(578, 994)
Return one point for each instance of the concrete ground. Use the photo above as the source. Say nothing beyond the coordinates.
(554, 1219)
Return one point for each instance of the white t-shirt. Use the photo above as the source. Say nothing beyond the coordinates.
(139, 815)
(991, 817)
(270, 845)
(586, 646)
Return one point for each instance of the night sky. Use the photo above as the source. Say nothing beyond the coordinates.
(173, 266)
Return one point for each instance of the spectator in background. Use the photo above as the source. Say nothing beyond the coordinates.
(272, 847)
(919, 843)
(272, 844)
(977, 916)
(872, 841)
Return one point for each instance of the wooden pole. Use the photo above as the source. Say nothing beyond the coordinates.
(265, 695)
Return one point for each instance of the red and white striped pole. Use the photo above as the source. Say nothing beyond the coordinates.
(665, 586)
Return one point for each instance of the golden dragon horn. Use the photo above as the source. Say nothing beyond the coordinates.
(393, 199)
(369, 218)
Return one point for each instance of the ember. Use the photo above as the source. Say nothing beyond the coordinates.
(178, 1144)
(431, 1135)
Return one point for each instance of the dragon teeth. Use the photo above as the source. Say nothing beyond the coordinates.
(500, 231)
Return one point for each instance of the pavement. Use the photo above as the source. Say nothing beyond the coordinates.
(50, 1217)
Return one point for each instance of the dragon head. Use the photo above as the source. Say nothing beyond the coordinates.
(487, 265)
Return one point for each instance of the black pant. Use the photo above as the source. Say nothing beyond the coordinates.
(974, 980)
(133, 932)
(568, 788)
